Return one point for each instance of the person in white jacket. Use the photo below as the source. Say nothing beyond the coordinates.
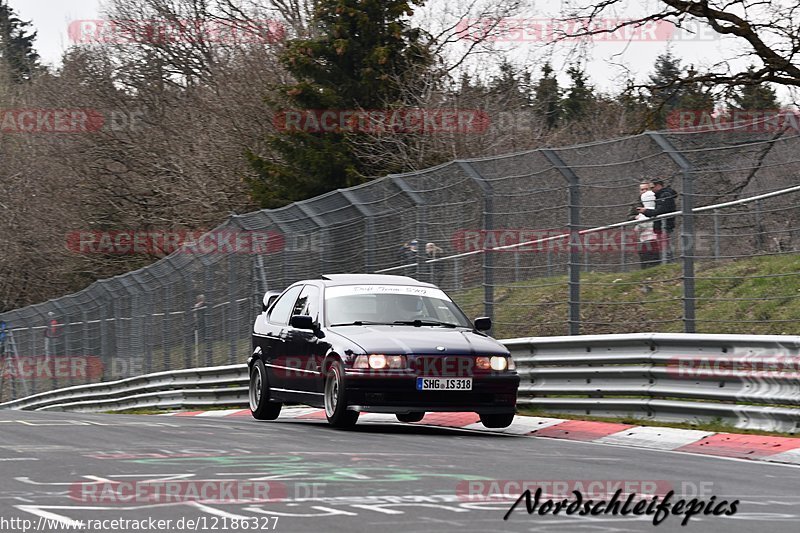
(649, 255)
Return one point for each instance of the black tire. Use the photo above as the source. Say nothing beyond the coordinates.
(336, 399)
(415, 416)
(497, 420)
(260, 406)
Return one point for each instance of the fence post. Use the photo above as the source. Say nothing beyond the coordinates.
(488, 225)
(716, 234)
(687, 229)
(574, 226)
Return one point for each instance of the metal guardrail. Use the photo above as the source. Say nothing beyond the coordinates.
(749, 381)
(213, 386)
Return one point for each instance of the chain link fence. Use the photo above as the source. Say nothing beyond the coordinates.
(736, 267)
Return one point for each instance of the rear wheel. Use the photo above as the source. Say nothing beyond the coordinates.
(336, 399)
(410, 417)
(497, 420)
(260, 406)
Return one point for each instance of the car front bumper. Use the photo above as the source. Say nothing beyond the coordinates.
(490, 394)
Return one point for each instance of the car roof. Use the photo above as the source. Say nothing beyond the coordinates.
(331, 280)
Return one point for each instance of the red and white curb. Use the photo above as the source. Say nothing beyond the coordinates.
(755, 447)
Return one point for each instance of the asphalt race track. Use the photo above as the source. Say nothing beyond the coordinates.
(60, 467)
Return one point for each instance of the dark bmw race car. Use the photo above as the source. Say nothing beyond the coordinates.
(381, 344)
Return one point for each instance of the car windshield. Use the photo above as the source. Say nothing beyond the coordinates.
(392, 304)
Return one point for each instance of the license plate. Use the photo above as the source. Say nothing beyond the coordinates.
(444, 383)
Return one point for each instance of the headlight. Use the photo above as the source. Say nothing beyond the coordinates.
(483, 363)
(499, 363)
(511, 364)
(377, 361)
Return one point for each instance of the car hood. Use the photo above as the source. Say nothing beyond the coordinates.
(409, 340)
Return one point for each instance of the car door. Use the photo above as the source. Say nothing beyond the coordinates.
(306, 349)
(274, 346)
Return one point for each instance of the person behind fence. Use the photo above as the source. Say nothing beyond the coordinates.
(649, 255)
(408, 255)
(665, 203)
(633, 212)
(51, 333)
(3, 338)
(436, 269)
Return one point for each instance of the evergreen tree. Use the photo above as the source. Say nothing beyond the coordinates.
(512, 86)
(754, 97)
(580, 95)
(16, 45)
(364, 56)
(694, 96)
(547, 97)
(665, 89)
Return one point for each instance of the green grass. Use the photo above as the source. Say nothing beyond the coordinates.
(651, 300)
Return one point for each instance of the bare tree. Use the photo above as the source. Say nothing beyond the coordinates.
(766, 34)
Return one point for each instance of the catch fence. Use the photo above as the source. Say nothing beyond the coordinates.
(735, 269)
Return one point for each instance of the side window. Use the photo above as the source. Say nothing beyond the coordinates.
(308, 303)
(283, 307)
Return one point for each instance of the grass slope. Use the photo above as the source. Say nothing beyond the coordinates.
(732, 297)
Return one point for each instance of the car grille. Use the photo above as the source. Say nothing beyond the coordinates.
(444, 365)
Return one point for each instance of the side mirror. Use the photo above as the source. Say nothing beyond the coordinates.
(483, 323)
(269, 298)
(302, 322)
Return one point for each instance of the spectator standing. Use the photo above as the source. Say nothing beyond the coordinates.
(649, 255)
(408, 255)
(634, 210)
(3, 337)
(665, 203)
(437, 272)
(51, 333)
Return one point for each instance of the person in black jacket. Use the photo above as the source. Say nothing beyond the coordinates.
(665, 203)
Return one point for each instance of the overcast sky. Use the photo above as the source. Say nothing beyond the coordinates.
(606, 62)
(51, 19)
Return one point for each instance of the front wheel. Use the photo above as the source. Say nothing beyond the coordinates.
(336, 399)
(260, 406)
(501, 420)
(410, 417)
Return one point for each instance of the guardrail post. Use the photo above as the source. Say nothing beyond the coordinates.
(716, 234)
(687, 229)
(574, 226)
(488, 225)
